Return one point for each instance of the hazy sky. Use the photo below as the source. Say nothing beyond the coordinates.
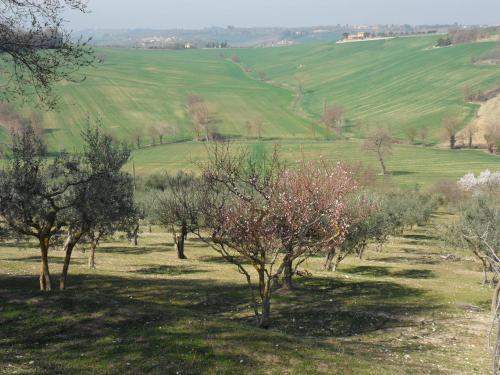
(165, 14)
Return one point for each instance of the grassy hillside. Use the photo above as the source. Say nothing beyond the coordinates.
(136, 89)
(396, 83)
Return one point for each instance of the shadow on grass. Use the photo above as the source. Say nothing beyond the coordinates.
(401, 173)
(52, 260)
(108, 324)
(372, 271)
(415, 274)
(380, 271)
(220, 260)
(131, 250)
(406, 260)
(419, 237)
(168, 270)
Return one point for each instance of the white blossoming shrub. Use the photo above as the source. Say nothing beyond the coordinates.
(486, 183)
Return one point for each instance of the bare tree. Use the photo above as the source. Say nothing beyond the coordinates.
(200, 116)
(35, 49)
(153, 133)
(380, 142)
(470, 131)
(424, 134)
(451, 126)
(333, 117)
(492, 136)
(411, 134)
(165, 129)
(254, 127)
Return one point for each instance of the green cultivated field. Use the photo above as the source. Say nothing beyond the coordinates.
(395, 83)
(409, 165)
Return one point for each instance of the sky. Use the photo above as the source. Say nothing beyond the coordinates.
(195, 14)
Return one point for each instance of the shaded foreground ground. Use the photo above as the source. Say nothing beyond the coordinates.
(403, 310)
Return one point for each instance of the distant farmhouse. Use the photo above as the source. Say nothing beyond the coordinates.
(358, 36)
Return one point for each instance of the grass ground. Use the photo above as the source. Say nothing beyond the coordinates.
(405, 310)
(409, 165)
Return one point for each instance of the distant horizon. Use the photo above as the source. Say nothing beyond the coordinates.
(226, 27)
(201, 14)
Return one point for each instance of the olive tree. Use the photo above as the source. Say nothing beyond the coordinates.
(478, 229)
(102, 203)
(37, 194)
(374, 217)
(178, 206)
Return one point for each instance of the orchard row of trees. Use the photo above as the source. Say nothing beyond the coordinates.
(267, 218)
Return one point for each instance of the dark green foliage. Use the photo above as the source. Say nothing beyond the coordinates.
(478, 229)
(443, 42)
(174, 202)
(376, 217)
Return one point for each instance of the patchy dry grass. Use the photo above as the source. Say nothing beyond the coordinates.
(405, 309)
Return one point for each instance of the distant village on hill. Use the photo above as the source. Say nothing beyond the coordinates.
(231, 36)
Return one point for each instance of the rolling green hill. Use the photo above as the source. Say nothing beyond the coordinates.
(396, 83)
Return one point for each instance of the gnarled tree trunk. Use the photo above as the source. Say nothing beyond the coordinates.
(288, 273)
(264, 320)
(94, 241)
(69, 245)
(180, 240)
(328, 266)
(135, 235)
(45, 281)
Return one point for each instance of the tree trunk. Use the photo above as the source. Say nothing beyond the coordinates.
(45, 282)
(329, 260)
(361, 251)
(135, 235)
(485, 271)
(69, 245)
(287, 273)
(265, 317)
(382, 164)
(264, 320)
(470, 140)
(496, 350)
(336, 263)
(453, 141)
(179, 243)
(93, 246)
